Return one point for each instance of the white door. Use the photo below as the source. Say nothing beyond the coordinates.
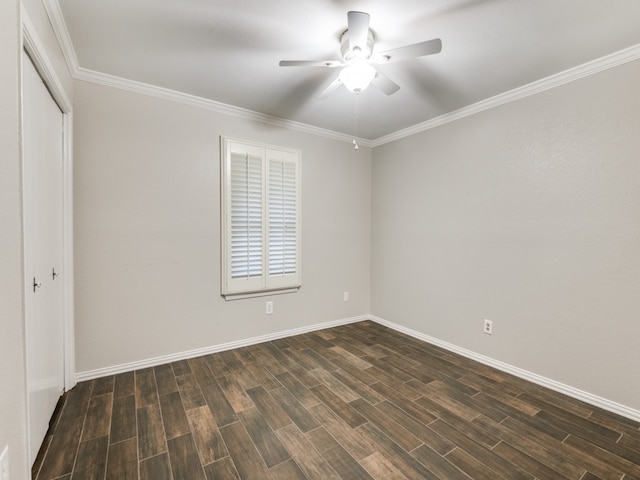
(42, 145)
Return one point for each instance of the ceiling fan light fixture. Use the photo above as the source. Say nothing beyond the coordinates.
(357, 51)
(357, 76)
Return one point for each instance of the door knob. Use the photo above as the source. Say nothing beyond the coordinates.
(36, 284)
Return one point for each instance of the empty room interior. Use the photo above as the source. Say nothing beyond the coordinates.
(320, 239)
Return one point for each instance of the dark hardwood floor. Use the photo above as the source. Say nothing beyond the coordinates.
(353, 402)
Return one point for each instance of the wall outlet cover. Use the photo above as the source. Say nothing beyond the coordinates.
(488, 327)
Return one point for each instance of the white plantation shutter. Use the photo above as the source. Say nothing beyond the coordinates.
(260, 218)
(282, 193)
(246, 216)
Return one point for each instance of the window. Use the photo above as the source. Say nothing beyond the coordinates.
(260, 219)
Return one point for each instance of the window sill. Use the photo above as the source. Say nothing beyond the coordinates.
(262, 293)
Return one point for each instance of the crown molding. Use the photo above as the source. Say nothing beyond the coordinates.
(200, 102)
(52, 7)
(64, 39)
(61, 31)
(34, 46)
(590, 68)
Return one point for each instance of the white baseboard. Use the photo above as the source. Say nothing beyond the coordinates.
(586, 397)
(174, 357)
(518, 372)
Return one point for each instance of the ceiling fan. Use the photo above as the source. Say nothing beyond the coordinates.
(358, 56)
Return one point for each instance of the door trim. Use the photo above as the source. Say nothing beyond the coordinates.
(34, 47)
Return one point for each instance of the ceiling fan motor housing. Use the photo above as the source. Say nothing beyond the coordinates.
(348, 54)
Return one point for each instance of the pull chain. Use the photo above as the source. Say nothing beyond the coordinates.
(355, 123)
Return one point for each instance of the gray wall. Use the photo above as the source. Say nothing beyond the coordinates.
(147, 230)
(528, 215)
(12, 378)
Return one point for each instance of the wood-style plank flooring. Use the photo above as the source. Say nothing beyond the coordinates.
(353, 402)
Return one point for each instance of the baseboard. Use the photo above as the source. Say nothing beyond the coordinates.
(174, 357)
(586, 397)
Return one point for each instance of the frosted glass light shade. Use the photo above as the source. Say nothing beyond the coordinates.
(357, 77)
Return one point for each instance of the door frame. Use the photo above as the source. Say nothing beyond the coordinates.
(34, 47)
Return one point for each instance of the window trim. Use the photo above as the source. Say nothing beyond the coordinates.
(232, 289)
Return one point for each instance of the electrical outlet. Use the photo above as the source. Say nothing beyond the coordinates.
(488, 327)
(4, 464)
(269, 308)
(345, 296)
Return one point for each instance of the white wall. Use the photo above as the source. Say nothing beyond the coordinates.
(147, 230)
(13, 409)
(12, 376)
(528, 215)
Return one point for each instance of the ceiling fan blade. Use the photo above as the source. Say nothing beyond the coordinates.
(385, 84)
(311, 63)
(358, 25)
(420, 49)
(330, 88)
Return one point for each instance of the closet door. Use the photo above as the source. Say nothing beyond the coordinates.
(43, 251)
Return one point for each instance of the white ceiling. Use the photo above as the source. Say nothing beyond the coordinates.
(228, 50)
